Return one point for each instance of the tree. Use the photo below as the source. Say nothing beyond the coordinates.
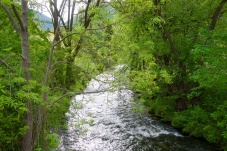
(24, 91)
(22, 29)
(176, 54)
(70, 28)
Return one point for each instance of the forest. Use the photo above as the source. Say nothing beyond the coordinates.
(175, 51)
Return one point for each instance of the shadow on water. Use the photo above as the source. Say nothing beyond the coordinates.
(103, 121)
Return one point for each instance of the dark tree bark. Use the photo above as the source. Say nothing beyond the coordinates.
(216, 14)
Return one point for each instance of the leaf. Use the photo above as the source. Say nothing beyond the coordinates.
(19, 80)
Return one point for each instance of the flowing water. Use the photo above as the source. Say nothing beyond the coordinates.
(101, 119)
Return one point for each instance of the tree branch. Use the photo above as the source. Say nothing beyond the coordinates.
(6, 65)
(61, 36)
(65, 38)
(59, 15)
(170, 40)
(18, 17)
(72, 16)
(166, 32)
(101, 27)
(6, 10)
(216, 14)
(69, 8)
(41, 110)
(86, 19)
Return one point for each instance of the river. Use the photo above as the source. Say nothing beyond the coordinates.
(101, 119)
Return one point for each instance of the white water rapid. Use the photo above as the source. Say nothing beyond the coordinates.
(101, 119)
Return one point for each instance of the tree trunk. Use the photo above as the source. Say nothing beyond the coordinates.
(70, 59)
(28, 117)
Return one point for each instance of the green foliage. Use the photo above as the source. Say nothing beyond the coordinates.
(14, 89)
(198, 122)
(189, 89)
(12, 111)
(193, 120)
(12, 108)
(57, 110)
(52, 140)
(138, 107)
(211, 73)
(219, 117)
(143, 82)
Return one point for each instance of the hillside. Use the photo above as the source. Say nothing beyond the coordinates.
(46, 22)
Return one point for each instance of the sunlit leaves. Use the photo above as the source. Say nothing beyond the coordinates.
(11, 114)
(45, 89)
(166, 77)
(7, 2)
(19, 80)
(198, 77)
(143, 81)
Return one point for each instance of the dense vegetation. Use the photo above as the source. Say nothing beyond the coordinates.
(175, 50)
(35, 97)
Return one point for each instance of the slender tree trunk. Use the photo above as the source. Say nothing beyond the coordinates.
(28, 117)
(41, 120)
(70, 59)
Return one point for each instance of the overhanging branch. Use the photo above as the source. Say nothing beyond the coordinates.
(6, 10)
(18, 17)
(65, 38)
(216, 14)
(174, 50)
